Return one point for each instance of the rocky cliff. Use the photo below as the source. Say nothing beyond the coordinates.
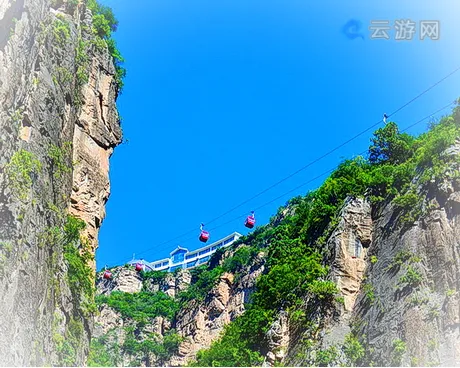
(59, 126)
(399, 281)
(362, 271)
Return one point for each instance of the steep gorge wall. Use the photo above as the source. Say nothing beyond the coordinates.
(199, 323)
(50, 116)
(414, 318)
(399, 281)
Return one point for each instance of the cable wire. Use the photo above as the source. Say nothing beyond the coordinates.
(299, 186)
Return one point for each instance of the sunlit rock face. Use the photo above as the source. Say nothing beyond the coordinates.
(43, 106)
(399, 281)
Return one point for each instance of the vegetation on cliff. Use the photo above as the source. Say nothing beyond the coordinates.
(397, 170)
(104, 24)
(294, 248)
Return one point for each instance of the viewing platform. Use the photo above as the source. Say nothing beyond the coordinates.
(185, 259)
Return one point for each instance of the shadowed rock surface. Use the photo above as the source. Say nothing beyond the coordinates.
(50, 116)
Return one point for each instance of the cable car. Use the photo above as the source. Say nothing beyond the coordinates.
(204, 235)
(107, 275)
(250, 221)
(139, 267)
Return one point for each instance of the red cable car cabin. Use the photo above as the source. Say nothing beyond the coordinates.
(139, 267)
(204, 236)
(250, 222)
(107, 275)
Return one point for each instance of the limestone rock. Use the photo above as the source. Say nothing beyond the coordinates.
(39, 110)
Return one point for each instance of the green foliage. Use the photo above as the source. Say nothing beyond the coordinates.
(61, 30)
(450, 292)
(327, 356)
(411, 278)
(142, 306)
(353, 349)
(16, 116)
(68, 345)
(6, 250)
(81, 60)
(407, 201)
(103, 353)
(104, 23)
(323, 289)
(410, 203)
(108, 24)
(433, 344)
(399, 348)
(203, 280)
(22, 166)
(60, 158)
(390, 146)
(155, 276)
(402, 257)
(62, 76)
(433, 312)
(229, 351)
(293, 247)
(78, 258)
(369, 292)
(418, 299)
(241, 258)
(163, 349)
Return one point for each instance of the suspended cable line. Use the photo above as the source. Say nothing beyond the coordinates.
(310, 163)
(297, 187)
(332, 150)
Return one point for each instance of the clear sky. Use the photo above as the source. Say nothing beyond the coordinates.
(224, 98)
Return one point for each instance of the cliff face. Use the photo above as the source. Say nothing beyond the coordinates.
(400, 293)
(198, 324)
(201, 323)
(57, 108)
(395, 299)
(415, 313)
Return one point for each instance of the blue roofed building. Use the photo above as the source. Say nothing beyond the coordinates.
(185, 259)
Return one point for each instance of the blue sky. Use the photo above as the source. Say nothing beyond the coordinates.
(224, 98)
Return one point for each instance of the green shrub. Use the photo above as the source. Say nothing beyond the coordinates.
(369, 292)
(294, 248)
(163, 348)
(229, 351)
(78, 257)
(203, 280)
(103, 353)
(327, 356)
(241, 258)
(388, 145)
(141, 307)
(399, 348)
(155, 276)
(104, 24)
(61, 30)
(323, 289)
(411, 278)
(353, 349)
(60, 158)
(20, 170)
